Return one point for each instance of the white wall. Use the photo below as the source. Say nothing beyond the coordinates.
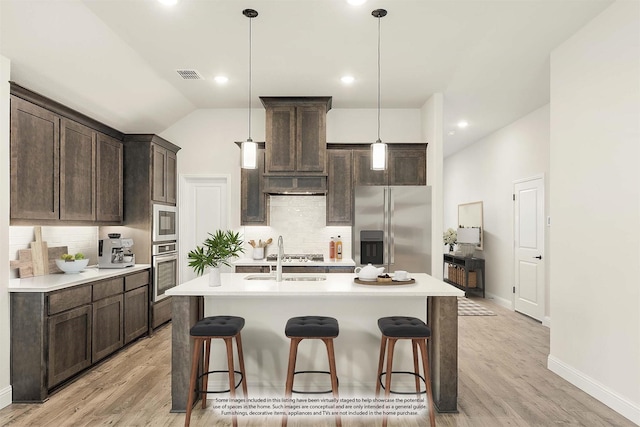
(485, 171)
(595, 199)
(5, 345)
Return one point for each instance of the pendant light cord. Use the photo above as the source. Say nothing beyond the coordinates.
(249, 103)
(378, 80)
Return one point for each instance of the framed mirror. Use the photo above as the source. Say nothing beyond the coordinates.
(470, 216)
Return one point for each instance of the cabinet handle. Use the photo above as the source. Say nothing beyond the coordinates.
(538, 257)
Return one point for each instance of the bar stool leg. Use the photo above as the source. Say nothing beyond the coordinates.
(416, 367)
(232, 389)
(241, 361)
(205, 374)
(387, 386)
(334, 376)
(427, 377)
(383, 347)
(293, 354)
(197, 349)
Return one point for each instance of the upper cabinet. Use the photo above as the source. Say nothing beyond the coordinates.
(254, 202)
(296, 138)
(406, 165)
(64, 166)
(164, 175)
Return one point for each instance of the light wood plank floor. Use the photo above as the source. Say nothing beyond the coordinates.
(503, 382)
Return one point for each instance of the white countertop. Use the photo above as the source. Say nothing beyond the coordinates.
(235, 285)
(54, 282)
(344, 262)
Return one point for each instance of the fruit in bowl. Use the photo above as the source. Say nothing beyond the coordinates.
(72, 263)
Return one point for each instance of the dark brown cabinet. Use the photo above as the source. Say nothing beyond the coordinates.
(406, 165)
(69, 338)
(55, 335)
(164, 175)
(362, 172)
(296, 138)
(62, 168)
(35, 156)
(339, 187)
(109, 179)
(253, 200)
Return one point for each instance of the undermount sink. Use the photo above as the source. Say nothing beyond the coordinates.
(286, 278)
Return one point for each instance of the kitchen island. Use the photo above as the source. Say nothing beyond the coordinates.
(266, 305)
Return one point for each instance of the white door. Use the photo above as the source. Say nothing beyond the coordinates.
(203, 209)
(529, 247)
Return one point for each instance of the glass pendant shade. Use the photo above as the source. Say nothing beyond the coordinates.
(249, 154)
(378, 155)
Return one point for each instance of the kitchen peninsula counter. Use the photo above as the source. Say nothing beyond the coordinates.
(266, 305)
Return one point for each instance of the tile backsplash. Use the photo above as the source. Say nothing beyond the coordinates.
(301, 221)
(77, 239)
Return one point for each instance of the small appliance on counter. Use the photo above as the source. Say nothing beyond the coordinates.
(115, 252)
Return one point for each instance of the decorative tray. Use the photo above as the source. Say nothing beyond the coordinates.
(376, 283)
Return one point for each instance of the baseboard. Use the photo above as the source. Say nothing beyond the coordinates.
(546, 321)
(590, 386)
(499, 300)
(6, 396)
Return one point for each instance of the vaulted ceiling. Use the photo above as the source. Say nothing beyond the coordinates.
(116, 60)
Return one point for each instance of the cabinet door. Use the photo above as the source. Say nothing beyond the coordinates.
(172, 176)
(253, 200)
(362, 172)
(311, 139)
(253, 269)
(136, 313)
(159, 174)
(109, 187)
(107, 337)
(69, 344)
(281, 139)
(340, 189)
(35, 149)
(407, 167)
(77, 171)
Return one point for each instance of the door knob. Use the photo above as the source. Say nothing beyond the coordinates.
(538, 257)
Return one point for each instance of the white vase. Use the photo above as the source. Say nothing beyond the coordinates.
(214, 276)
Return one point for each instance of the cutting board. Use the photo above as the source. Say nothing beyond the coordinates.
(39, 254)
(24, 263)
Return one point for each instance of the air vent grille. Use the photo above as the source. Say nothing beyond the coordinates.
(190, 74)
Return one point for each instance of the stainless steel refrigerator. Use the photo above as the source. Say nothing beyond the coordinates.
(392, 227)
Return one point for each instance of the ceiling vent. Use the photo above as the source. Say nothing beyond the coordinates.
(190, 75)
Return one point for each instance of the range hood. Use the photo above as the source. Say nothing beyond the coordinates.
(295, 185)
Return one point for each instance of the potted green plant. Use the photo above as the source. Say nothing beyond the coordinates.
(217, 249)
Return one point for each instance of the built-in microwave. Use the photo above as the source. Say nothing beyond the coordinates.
(165, 223)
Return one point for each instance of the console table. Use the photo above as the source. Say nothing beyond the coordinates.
(466, 273)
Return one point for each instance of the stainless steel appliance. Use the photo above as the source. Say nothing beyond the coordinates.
(165, 269)
(165, 223)
(115, 252)
(392, 227)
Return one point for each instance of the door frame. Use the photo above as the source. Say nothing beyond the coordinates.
(545, 320)
(185, 182)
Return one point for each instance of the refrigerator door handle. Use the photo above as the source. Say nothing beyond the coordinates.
(391, 227)
(385, 225)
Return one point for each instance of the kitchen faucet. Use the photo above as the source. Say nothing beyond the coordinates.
(279, 260)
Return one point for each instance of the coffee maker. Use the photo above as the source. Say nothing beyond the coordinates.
(115, 252)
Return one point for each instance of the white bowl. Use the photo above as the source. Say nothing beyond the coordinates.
(71, 267)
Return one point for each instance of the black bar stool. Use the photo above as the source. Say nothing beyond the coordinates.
(396, 328)
(311, 327)
(222, 327)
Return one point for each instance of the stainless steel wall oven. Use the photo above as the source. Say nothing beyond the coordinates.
(165, 269)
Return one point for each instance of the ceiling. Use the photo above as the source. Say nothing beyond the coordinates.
(116, 60)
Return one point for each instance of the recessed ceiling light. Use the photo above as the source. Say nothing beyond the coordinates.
(347, 79)
(221, 79)
(169, 2)
(356, 2)
(463, 124)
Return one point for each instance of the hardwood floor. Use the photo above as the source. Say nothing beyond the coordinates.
(503, 382)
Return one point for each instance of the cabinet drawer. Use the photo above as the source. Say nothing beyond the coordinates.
(252, 269)
(136, 280)
(69, 298)
(107, 288)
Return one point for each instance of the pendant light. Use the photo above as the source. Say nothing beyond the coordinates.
(249, 148)
(378, 148)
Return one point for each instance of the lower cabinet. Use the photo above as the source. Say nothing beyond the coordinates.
(55, 335)
(294, 269)
(108, 316)
(69, 344)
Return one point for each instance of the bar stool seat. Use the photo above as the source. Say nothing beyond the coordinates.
(396, 328)
(215, 327)
(311, 327)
